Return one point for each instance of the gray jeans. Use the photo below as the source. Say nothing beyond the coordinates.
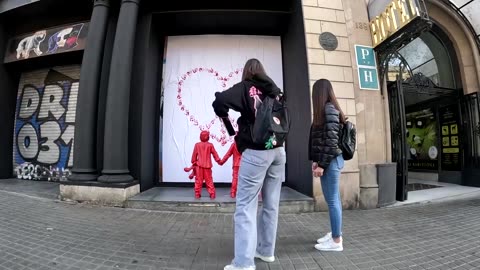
(265, 171)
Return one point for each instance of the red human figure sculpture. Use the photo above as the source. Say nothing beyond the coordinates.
(201, 157)
(233, 151)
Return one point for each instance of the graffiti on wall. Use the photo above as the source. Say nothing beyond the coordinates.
(29, 171)
(48, 41)
(45, 121)
(66, 38)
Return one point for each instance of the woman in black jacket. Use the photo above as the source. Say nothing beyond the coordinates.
(327, 158)
(262, 170)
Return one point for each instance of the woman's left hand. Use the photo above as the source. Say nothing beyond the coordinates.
(318, 172)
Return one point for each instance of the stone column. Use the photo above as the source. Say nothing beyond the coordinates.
(334, 64)
(84, 155)
(115, 153)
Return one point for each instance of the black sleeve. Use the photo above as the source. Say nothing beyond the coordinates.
(310, 154)
(232, 98)
(332, 122)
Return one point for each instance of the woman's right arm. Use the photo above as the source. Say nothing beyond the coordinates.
(310, 153)
(232, 98)
(310, 156)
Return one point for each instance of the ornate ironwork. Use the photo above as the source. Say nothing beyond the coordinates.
(420, 80)
(402, 38)
(421, 84)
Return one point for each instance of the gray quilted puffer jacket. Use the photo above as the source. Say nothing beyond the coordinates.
(323, 142)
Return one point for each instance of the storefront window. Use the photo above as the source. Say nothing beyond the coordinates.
(425, 55)
(398, 67)
(417, 53)
(422, 140)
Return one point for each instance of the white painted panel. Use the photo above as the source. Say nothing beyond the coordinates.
(204, 65)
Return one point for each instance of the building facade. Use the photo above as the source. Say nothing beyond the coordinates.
(96, 95)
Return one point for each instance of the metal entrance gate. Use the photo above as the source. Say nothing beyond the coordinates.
(471, 121)
(398, 136)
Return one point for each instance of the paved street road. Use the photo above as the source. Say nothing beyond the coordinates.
(44, 234)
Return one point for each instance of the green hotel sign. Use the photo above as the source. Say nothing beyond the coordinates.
(367, 68)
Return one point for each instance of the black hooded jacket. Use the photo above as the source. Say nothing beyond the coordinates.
(243, 97)
(323, 142)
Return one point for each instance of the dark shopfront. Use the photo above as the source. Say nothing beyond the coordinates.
(118, 115)
(39, 77)
(435, 136)
(434, 110)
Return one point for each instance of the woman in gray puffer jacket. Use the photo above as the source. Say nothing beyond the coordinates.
(327, 158)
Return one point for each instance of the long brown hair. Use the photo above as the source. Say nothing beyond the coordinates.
(252, 68)
(322, 94)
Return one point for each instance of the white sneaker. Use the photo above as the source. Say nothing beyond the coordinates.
(233, 267)
(268, 259)
(330, 245)
(324, 239)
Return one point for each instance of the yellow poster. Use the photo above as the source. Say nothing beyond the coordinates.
(454, 140)
(451, 150)
(445, 130)
(454, 129)
(446, 141)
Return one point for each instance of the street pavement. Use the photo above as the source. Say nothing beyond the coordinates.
(41, 233)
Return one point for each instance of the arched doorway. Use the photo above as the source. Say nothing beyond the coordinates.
(433, 124)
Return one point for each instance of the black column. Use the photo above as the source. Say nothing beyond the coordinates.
(8, 96)
(84, 155)
(297, 91)
(115, 153)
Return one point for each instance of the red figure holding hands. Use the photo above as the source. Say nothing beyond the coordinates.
(235, 166)
(202, 164)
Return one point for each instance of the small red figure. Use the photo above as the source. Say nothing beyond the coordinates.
(193, 168)
(235, 166)
(201, 159)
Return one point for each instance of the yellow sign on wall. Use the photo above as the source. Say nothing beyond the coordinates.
(397, 14)
(454, 129)
(451, 150)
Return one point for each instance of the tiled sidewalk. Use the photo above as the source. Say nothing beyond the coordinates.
(45, 234)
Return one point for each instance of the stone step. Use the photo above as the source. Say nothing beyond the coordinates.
(181, 199)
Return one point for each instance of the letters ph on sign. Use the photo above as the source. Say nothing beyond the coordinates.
(367, 68)
(365, 56)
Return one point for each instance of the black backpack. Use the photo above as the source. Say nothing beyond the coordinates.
(272, 122)
(348, 139)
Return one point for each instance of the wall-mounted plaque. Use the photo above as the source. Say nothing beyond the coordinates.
(54, 40)
(328, 41)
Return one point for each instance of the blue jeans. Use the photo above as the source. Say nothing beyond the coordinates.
(331, 191)
(259, 171)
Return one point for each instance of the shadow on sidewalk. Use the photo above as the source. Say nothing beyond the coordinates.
(42, 189)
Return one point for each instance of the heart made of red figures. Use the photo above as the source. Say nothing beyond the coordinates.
(221, 138)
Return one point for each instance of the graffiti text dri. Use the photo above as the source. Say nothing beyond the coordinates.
(45, 121)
